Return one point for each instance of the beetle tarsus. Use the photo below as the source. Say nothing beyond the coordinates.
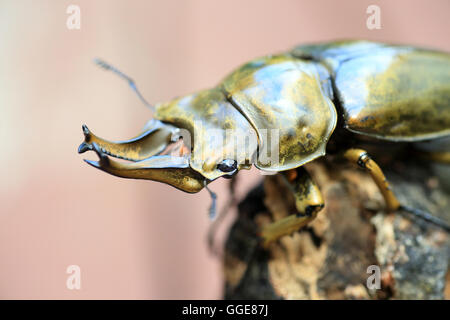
(426, 217)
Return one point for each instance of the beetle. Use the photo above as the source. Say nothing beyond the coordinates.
(297, 104)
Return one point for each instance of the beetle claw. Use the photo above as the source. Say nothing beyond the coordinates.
(84, 147)
(86, 131)
(95, 164)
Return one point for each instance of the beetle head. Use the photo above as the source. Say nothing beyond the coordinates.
(217, 141)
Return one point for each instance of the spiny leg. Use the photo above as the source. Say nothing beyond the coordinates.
(362, 159)
(308, 202)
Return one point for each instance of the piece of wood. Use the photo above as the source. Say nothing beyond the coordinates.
(330, 258)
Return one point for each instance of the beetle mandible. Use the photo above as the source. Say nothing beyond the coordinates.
(375, 91)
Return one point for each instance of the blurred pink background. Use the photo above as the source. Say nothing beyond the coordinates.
(136, 239)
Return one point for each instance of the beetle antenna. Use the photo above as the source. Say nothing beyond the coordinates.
(212, 208)
(427, 217)
(222, 214)
(132, 84)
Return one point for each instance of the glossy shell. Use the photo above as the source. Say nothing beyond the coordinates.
(284, 97)
(208, 116)
(390, 92)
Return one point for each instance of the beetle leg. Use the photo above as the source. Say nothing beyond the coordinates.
(308, 202)
(172, 170)
(151, 142)
(362, 159)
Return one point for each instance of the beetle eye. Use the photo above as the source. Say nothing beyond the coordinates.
(227, 165)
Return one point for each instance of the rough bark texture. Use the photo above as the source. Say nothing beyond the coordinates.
(329, 259)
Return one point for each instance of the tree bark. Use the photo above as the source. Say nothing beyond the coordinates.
(330, 258)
